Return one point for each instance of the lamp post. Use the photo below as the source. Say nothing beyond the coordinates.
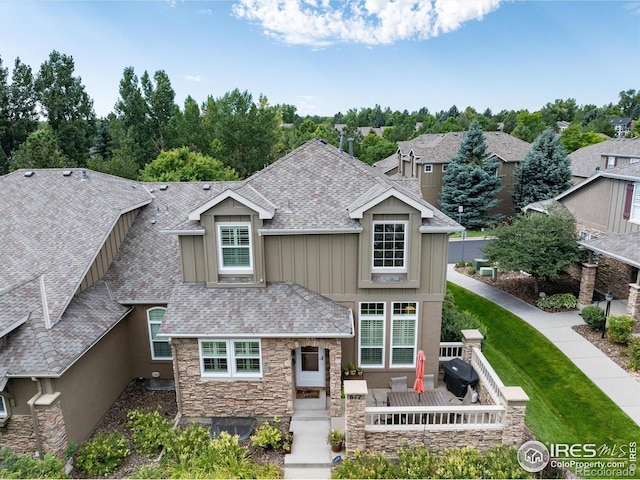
(608, 297)
(463, 233)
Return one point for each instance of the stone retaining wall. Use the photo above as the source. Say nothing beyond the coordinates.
(390, 442)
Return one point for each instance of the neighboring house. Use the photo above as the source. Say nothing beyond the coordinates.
(241, 292)
(426, 158)
(607, 211)
(561, 126)
(622, 126)
(591, 159)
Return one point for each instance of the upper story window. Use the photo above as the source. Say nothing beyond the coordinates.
(390, 247)
(404, 333)
(230, 358)
(371, 334)
(611, 162)
(234, 248)
(444, 167)
(428, 168)
(160, 347)
(631, 210)
(3, 407)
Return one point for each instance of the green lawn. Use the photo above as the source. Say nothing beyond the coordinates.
(565, 405)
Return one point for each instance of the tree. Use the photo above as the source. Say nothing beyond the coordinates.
(560, 110)
(472, 182)
(544, 173)
(574, 137)
(542, 245)
(161, 107)
(183, 165)
(630, 103)
(376, 148)
(103, 144)
(528, 126)
(40, 150)
(67, 106)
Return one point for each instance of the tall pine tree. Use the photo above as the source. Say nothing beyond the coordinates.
(544, 173)
(472, 182)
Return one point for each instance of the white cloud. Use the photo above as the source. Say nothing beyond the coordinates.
(369, 22)
(205, 11)
(193, 78)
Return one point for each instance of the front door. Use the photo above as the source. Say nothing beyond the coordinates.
(310, 367)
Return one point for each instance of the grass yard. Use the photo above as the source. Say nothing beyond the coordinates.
(565, 405)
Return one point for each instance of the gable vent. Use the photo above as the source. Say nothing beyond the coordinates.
(67, 173)
(29, 173)
(163, 187)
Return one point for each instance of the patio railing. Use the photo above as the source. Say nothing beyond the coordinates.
(488, 377)
(450, 350)
(381, 419)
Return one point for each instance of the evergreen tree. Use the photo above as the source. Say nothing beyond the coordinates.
(472, 182)
(544, 173)
(40, 150)
(103, 145)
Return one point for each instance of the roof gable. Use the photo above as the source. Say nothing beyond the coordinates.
(246, 195)
(378, 194)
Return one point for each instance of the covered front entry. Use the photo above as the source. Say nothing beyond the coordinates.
(310, 366)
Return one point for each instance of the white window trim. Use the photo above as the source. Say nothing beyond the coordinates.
(634, 213)
(405, 262)
(231, 364)
(428, 168)
(239, 270)
(151, 341)
(4, 413)
(445, 166)
(383, 347)
(398, 317)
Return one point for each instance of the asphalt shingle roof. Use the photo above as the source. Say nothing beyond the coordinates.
(622, 247)
(585, 160)
(281, 310)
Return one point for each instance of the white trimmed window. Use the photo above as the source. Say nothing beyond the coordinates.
(390, 247)
(404, 333)
(371, 334)
(635, 204)
(234, 248)
(3, 407)
(235, 358)
(428, 168)
(444, 167)
(160, 347)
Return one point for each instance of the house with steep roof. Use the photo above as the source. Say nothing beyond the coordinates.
(240, 292)
(607, 211)
(426, 158)
(617, 152)
(622, 126)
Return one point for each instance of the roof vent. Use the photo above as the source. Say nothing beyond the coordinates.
(163, 187)
(153, 221)
(28, 173)
(151, 190)
(85, 177)
(206, 187)
(67, 173)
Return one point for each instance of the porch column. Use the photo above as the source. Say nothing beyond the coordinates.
(587, 283)
(355, 392)
(514, 400)
(470, 338)
(633, 305)
(51, 436)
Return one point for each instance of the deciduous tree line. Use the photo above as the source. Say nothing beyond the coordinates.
(47, 120)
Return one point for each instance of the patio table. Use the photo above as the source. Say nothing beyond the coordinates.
(410, 399)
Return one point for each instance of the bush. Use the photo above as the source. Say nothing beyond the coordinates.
(150, 431)
(267, 436)
(620, 328)
(24, 466)
(634, 354)
(471, 271)
(454, 321)
(593, 316)
(103, 455)
(557, 301)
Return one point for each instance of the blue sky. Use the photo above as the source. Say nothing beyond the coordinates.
(328, 56)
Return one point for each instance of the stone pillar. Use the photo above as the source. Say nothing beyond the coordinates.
(51, 427)
(587, 283)
(470, 338)
(335, 379)
(355, 392)
(633, 304)
(514, 400)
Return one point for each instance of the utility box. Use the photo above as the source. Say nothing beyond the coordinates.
(486, 271)
(479, 263)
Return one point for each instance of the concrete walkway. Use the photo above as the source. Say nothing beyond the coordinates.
(614, 381)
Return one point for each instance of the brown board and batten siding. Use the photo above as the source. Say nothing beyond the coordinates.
(109, 250)
(619, 199)
(596, 216)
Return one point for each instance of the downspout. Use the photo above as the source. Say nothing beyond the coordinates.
(34, 417)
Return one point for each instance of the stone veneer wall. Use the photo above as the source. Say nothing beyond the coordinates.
(390, 442)
(270, 396)
(18, 435)
(52, 430)
(615, 276)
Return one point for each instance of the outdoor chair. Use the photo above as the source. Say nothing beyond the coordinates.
(429, 382)
(466, 400)
(398, 384)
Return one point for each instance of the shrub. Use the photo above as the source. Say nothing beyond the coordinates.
(593, 316)
(366, 465)
(471, 271)
(634, 354)
(620, 328)
(557, 301)
(460, 264)
(103, 455)
(14, 465)
(149, 430)
(267, 436)
(454, 321)
(188, 441)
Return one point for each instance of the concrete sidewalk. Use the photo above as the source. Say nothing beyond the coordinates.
(614, 381)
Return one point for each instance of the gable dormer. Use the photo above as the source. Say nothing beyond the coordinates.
(220, 245)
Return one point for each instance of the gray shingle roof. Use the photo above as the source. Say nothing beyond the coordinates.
(53, 226)
(34, 349)
(585, 160)
(439, 148)
(282, 310)
(621, 247)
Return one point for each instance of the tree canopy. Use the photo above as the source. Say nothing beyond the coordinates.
(544, 173)
(542, 245)
(184, 165)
